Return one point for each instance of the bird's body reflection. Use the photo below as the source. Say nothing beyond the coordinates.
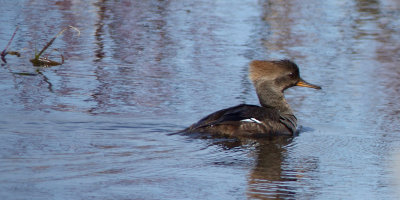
(267, 179)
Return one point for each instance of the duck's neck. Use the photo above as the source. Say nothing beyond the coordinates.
(270, 96)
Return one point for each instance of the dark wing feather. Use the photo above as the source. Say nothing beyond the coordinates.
(237, 113)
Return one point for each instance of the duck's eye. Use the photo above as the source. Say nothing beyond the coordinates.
(291, 75)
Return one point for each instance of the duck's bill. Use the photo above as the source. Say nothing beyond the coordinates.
(303, 83)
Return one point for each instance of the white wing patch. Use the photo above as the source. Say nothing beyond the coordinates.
(254, 120)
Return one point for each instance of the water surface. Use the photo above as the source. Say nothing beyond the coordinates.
(98, 126)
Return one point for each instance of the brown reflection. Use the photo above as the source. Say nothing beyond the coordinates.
(369, 7)
(388, 54)
(266, 180)
(278, 15)
(99, 32)
(102, 95)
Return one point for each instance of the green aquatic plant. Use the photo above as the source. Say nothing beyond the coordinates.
(44, 61)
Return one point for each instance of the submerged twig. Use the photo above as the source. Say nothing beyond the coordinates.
(38, 61)
(5, 52)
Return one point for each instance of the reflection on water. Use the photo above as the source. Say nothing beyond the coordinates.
(98, 126)
(267, 179)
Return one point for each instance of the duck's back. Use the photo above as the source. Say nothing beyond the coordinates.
(246, 120)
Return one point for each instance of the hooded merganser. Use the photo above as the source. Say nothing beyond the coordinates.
(273, 117)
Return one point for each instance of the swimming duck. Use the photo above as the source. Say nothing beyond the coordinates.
(273, 117)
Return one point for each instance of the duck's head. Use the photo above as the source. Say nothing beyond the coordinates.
(280, 74)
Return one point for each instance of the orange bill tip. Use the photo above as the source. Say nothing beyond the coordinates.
(303, 83)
